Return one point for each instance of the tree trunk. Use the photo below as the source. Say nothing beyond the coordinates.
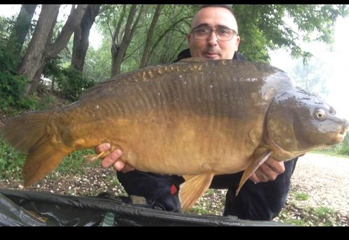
(119, 52)
(81, 35)
(70, 26)
(35, 55)
(21, 27)
(144, 60)
(41, 49)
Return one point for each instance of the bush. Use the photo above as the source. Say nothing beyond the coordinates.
(11, 85)
(11, 162)
(72, 84)
(344, 147)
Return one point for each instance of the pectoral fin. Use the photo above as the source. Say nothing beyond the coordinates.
(101, 155)
(259, 159)
(94, 157)
(193, 188)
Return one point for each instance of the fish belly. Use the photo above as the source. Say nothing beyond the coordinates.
(183, 143)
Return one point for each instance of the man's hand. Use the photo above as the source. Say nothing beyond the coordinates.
(113, 159)
(268, 171)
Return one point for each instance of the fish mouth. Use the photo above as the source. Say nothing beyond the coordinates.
(345, 127)
(341, 135)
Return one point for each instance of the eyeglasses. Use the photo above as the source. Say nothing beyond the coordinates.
(203, 33)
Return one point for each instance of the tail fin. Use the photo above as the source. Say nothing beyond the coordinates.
(41, 161)
(25, 131)
(28, 134)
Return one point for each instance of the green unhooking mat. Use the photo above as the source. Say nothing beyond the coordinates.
(32, 208)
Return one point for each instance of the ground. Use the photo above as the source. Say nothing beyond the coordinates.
(325, 179)
(319, 190)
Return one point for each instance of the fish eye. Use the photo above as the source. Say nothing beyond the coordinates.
(320, 114)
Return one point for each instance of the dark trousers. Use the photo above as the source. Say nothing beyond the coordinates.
(262, 201)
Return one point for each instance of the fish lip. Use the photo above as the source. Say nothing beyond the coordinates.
(339, 138)
(342, 133)
(345, 127)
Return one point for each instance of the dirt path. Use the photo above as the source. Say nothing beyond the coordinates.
(325, 179)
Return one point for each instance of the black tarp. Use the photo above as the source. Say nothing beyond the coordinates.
(32, 208)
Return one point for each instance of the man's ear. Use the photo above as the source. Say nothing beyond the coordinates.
(188, 38)
(237, 42)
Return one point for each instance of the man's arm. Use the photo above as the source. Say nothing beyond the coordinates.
(268, 171)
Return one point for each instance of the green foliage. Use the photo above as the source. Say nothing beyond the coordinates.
(168, 40)
(74, 162)
(6, 24)
(322, 212)
(301, 196)
(170, 33)
(344, 146)
(310, 216)
(11, 162)
(72, 84)
(11, 85)
(198, 210)
(263, 27)
(98, 62)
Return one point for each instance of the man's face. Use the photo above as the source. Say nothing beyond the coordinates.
(212, 48)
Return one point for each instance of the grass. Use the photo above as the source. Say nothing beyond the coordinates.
(11, 161)
(74, 163)
(309, 216)
(301, 196)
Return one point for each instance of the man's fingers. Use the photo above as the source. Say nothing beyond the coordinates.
(254, 178)
(268, 171)
(276, 166)
(107, 161)
(111, 158)
(119, 165)
(102, 147)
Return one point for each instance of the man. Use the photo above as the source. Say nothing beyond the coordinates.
(214, 35)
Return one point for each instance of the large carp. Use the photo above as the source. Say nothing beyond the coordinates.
(196, 118)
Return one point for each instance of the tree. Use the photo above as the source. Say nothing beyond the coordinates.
(40, 48)
(150, 36)
(170, 37)
(264, 27)
(133, 42)
(81, 37)
(313, 76)
(122, 39)
(21, 28)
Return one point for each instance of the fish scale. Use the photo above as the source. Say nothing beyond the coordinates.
(196, 118)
